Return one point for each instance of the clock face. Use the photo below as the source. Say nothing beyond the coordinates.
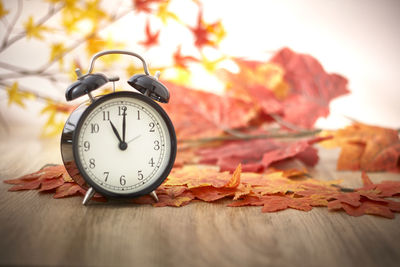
(124, 145)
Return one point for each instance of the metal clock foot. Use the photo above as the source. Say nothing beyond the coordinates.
(154, 196)
(89, 194)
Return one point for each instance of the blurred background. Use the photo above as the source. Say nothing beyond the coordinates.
(42, 42)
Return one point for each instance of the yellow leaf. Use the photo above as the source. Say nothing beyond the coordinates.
(16, 96)
(34, 31)
(57, 51)
(55, 122)
(268, 75)
(164, 14)
(71, 15)
(96, 44)
(94, 12)
(218, 30)
(133, 69)
(211, 65)
(182, 76)
(3, 11)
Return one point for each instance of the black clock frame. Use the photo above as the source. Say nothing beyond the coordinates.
(69, 149)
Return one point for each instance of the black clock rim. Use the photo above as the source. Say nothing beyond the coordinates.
(167, 121)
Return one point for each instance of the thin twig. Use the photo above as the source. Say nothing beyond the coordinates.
(11, 25)
(286, 124)
(80, 41)
(251, 137)
(52, 11)
(24, 89)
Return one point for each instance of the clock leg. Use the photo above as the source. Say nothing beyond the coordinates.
(88, 196)
(154, 196)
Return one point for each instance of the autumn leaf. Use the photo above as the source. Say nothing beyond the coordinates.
(256, 79)
(16, 96)
(311, 88)
(45, 179)
(193, 177)
(366, 147)
(144, 5)
(182, 61)
(96, 44)
(256, 155)
(210, 65)
(151, 38)
(57, 52)
(164, 14)
(200, 114)
(207, 34)
(33, 30)
(94, 12)
(55, 122)
(3, 11)
(292, 86)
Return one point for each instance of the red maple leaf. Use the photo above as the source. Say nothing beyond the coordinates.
(292, 86)
(256, 155)
(198, 114)
(182, 61)
(311, 88)
(151, 38)
(144, 5)
(201, 32)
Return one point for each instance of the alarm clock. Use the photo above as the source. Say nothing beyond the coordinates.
(122, 144)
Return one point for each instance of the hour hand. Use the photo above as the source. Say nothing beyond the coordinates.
(116, 132)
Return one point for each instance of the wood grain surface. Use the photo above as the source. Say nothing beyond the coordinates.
(37, 230)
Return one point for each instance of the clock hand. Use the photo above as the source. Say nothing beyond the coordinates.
(116, 132)
(133, 139)
(123, 125)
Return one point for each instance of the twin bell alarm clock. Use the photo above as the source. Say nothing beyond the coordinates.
(122, 144)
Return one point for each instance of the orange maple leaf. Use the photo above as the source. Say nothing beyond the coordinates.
(366, 147)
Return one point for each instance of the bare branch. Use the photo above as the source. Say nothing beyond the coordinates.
(11, 25)
(286, 124)
(52, 11)
(243, 136)
(81, 41)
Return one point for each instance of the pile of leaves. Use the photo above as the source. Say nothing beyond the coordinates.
(228, 147)
(274, 190)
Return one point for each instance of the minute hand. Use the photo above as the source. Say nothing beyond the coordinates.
(123, 125)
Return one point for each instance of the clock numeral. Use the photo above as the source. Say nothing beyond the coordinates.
(106, 115)
(122, 180)
(151, 162)
(94, 128)
(92, 163)
(156, 145)
(138, 114)
(121, 110)
(152, 125)
(106, 176)
(86, 145)
(140, 175)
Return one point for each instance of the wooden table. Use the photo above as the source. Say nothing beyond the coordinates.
(36, 229)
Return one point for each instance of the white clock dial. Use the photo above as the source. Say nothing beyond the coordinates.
(118, 162)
